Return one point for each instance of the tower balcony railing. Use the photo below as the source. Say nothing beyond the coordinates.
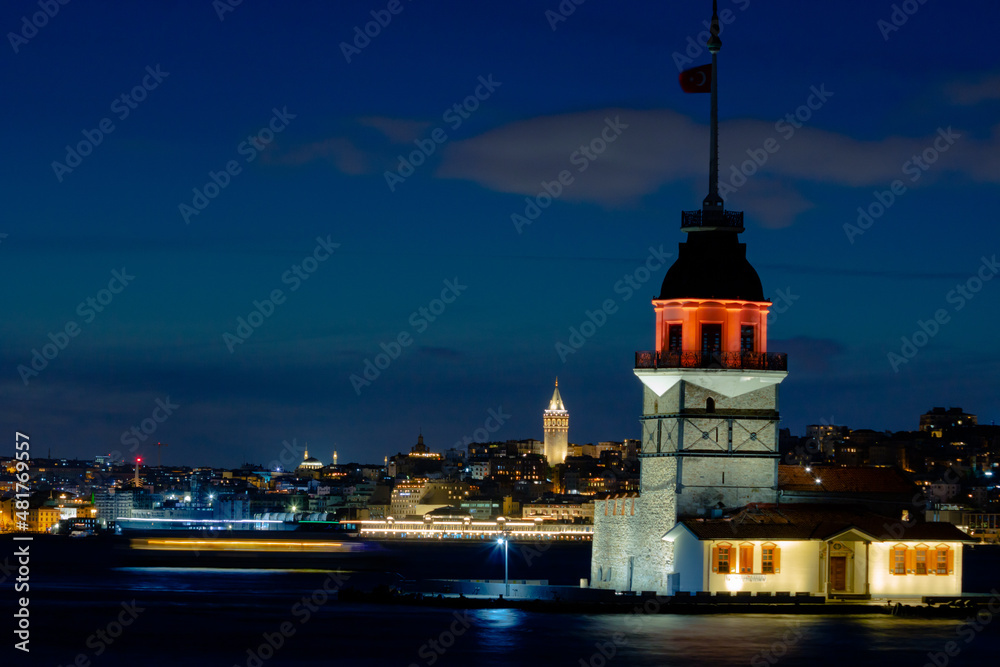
(758, 361)
(726, 219)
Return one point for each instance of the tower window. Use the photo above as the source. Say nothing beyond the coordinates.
(674, 338)
(747, 338)
(710, 407)
(711, 339)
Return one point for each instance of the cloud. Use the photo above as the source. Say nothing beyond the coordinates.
(341, 151)
(968, 93)
(774, 204)
(657, 147)
(396, 130)
(661, 146)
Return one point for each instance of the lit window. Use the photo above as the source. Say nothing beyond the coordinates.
(722, 560)
(711, 339)
(899, 560)
(942, 560)
(921, 567)
(674, 338)
(767, 559)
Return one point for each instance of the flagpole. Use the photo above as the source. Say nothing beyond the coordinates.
(713, 203)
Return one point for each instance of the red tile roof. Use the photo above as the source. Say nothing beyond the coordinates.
(810, 522)
(849, 479)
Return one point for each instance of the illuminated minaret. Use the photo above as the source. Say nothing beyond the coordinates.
(710, 395)
(555, 421)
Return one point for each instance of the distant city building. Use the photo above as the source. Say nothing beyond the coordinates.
(560, 508)
(482, 509)
(555, 421)
(825, 437)
(420, 462)
(418, 497)
(939, 419)
(309, 464)
(479, 470)
(116, 504)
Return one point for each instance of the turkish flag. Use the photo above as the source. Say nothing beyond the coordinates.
(697, 79)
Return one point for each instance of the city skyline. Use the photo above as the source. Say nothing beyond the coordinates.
(235, 291)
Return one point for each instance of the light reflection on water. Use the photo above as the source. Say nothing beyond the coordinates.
(766, 639)
(239, 606)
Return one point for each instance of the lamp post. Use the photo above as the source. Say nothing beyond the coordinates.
(505, 541)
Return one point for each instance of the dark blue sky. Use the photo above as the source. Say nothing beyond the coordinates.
(889, 95)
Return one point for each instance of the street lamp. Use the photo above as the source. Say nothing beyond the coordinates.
(505, 540)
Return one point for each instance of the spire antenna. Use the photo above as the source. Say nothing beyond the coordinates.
(712, 207)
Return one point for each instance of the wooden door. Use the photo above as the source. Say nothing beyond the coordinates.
(838, 573)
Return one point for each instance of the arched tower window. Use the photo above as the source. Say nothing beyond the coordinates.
(710, 405)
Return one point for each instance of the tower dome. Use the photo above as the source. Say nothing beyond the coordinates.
(712, 265)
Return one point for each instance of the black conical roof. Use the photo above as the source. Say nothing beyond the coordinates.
(712, 265)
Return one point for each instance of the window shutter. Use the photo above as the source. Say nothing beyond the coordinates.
(746, 558)
(951, 561)
(932, 561)
(777, 559)
(715, 559)
(911, 561)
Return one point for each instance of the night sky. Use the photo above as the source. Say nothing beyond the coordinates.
(384, 248)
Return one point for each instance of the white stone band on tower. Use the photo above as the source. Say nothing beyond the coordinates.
(555, 421)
